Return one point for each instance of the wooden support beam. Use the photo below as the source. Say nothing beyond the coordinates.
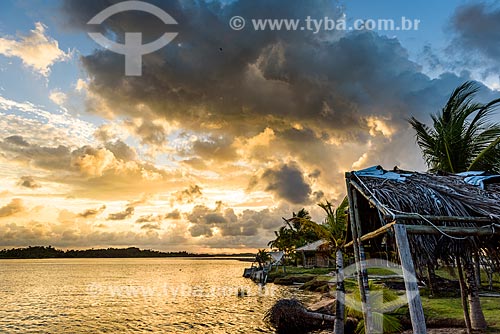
(412, 216)
(411, 285)
(359, 256)
(373, 234)
(455, 231)
(426, 229)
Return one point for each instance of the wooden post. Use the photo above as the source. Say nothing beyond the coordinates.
(359, 256)
(414, 301)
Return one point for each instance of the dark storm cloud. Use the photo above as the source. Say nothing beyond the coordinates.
(329, 81)
(318, 93)
(174, 215)
(477, 29)
(149, 219)
(214, 148)
(151, 227)
(121, 150)
(287, 182)
(16, 140)
(92, 212)
(127, 213)
(39, 156)
(149, 132)
(29, 182)
(260, 77)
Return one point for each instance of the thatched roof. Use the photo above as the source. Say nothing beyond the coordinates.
(430, 194)
(400, 192)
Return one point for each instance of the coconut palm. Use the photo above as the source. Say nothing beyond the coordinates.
(334, 230)
(462, 137)
(262, 257)
(294, 233)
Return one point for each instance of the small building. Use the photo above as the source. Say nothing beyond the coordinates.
(315, 254)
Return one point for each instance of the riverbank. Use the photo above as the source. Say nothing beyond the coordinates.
(443, 314)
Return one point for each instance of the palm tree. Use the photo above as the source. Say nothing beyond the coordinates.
(462, 138)
(262, 257)
(293, 234)
(334, 230)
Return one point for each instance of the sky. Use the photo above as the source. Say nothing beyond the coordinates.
(226, 130)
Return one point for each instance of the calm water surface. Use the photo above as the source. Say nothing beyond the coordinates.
(133, 296)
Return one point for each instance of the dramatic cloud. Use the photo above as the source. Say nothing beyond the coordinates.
(127, 213)
(16, 140)
(187, 195)
(121, 150)
(29, 182)
(37, 50)
(150, 132)
(15, 206)
(174, 215)
(477, 29)
(90, 213)
(287, 182)
(149, 219)
(250, 98)
(109, 171)
(158, 218)
(151, 227)
(224, 222)
(214, 148)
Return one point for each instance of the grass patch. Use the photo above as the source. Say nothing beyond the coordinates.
(297, 271)
(451, 308)
(380, 271)
(312, 271)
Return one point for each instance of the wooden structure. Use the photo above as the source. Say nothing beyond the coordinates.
(315, 254)
(442, 207)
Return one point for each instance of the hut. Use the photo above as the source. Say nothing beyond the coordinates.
(315, 254)
(426, 217)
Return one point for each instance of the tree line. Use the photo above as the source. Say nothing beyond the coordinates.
(49, 252)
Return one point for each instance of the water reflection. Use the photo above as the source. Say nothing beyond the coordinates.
(133, 296)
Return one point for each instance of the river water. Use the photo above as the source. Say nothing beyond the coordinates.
(161, 295)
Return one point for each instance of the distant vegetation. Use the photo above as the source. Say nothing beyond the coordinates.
(41, 252)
